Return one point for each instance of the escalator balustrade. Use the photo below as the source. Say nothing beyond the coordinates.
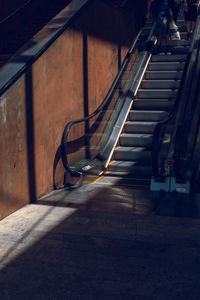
(154, 100)
(130, 162)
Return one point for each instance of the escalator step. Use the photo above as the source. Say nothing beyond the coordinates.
(157, 93)
(124, 181)
(165, 66)
(160, 84)
(174, 58)
(131, 167)
(179, 49)
(182, 42)
(156, 104)
(147, 115)
(137, 140)
(132, 153)
(167, 75)
(139, 127)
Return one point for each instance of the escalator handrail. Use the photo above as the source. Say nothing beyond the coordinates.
(177, 112)
(103, 104)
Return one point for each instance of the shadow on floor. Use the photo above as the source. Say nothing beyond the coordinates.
(103, 254)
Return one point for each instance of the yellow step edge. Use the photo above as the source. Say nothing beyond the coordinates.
(96, 180)
(111, 162)
(109, 172)
(117, 147)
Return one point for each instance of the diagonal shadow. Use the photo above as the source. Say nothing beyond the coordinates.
(104, 255)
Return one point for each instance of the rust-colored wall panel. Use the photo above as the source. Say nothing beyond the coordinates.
(108, 32)
(60, 71)
(14, 192)
(101, 72)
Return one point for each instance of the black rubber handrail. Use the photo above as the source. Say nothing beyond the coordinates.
(102, 106)
(178, 111)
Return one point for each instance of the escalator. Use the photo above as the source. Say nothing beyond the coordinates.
(113, 146)
(153, 102)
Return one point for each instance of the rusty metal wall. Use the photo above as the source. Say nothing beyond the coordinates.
(14, 187)
(67, 82)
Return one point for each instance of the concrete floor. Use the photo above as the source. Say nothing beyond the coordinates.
(102, 243)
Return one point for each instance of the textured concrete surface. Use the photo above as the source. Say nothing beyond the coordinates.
(97, 251)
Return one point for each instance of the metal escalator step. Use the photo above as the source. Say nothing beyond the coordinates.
(131, 167)
(181, 42)
(156, 104)
(171, 58)
(156, 93)
(146, 175)
(139, 127)
(160, 84)
(132, 153)
(147, 115)
(163, 66)
(168, 75)
(136, 139)
(179, 49)
(143, 183)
